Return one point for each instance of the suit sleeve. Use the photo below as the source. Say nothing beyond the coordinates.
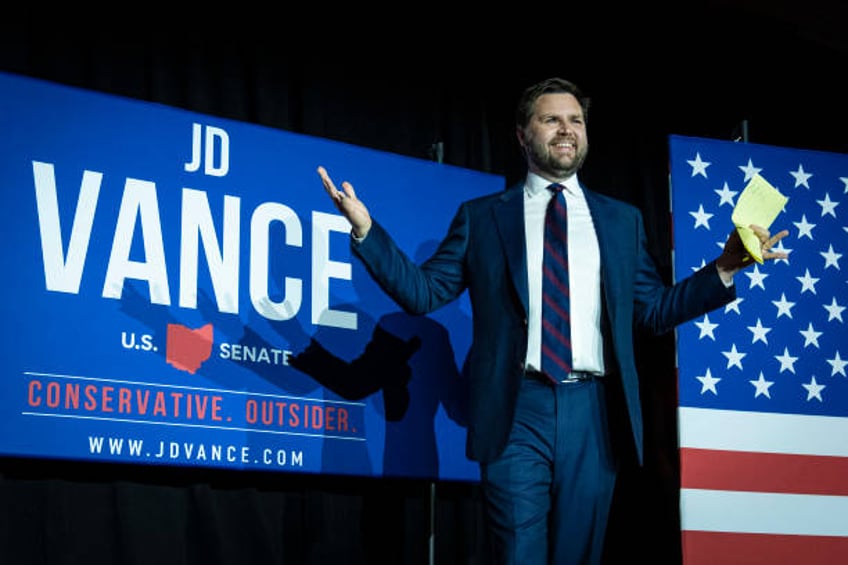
(660, 308)
(417, 289)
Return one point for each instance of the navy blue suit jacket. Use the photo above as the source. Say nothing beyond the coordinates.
(484, 252)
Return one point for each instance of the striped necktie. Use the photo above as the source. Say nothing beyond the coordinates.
(556, 317)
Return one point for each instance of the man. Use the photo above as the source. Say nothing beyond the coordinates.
(547, 444)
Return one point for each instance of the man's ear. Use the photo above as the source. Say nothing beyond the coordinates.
(519, 133)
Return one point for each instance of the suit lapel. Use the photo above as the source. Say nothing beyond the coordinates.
(603, 217)
(509, 219)
(616, 243)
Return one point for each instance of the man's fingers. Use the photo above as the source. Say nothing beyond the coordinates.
(767, 239)
(326, 180)
(336, 194)
(761, 232)
(772, 241)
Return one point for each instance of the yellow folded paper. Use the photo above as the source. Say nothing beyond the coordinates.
(759, 204)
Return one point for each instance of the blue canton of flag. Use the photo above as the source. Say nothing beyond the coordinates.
(763, 381)
(777, 347)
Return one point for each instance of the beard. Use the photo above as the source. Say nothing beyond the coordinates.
(542, 161)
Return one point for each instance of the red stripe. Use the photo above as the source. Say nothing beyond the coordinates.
(560, 337)
(552, 279)
(709, 548)
(553, 253)
(555, 229)
(565, 366)
(763, 472)
(552, 304)
(556, 359)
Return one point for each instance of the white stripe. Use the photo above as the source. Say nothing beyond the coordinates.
(734, 430)
(763, 513)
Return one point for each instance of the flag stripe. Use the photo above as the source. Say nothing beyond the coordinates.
(709, 548)
(737, 430)
(763, 472)
(763, 513)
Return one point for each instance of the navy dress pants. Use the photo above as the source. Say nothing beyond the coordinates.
(547, 497)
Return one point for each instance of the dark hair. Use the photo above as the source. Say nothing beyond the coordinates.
(527, 102)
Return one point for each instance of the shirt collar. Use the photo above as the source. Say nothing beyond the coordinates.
(534, 184)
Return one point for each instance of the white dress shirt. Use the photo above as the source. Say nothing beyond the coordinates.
(584, 262)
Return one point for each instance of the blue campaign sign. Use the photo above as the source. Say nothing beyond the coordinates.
(180, 291)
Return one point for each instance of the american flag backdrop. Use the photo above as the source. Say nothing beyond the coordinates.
(763, 381)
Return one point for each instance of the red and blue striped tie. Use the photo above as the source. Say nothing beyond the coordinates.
(556, 317)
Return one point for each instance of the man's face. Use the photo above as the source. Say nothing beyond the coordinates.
(555, 140)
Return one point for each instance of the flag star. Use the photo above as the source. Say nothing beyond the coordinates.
(759, 332)
(699, 167)
(807, 282)
(787, 362)
(762, 386)
(734, 305)
(784, 307)
(834, 310)
(750, 170)
(845, 182)
(780, 249)
(706, 328)
(701, 266)
(831, 258)
(811, 336)
(814, 389)
(701, 218)
(708, 382)
(828, 206)
(800, 176)
(757, 278)
(838, 365)
(734, 357)
(804, 227)
(726, 195)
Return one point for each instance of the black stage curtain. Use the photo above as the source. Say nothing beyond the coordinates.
(451, 85)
